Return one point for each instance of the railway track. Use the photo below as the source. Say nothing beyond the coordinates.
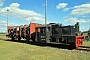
(83, 48)
(3, 39)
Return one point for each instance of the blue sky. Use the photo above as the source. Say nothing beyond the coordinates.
(67, 12)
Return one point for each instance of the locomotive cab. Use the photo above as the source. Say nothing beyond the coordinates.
(43, 34)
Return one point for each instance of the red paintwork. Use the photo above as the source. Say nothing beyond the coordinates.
(9, 27)
(79, 40)
(32, 27)
(16, 31)
(8, 31)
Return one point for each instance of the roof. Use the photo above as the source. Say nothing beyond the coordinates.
(45, 25)
(41, 26)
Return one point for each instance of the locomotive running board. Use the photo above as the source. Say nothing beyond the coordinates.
(58, 43)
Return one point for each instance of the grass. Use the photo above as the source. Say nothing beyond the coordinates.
(22, 51)
(3, 36)
(86, 43)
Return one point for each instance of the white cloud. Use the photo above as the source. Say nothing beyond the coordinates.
(61, 5)
(14, 5)
(83, 28)
(2, 29)
(84, 16)
(1, 3)
(3, 23)
(81, 9)
(22, 14)
(27, 15)
(66, 9)
(74, 20)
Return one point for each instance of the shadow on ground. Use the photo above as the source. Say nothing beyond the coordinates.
(60, 46)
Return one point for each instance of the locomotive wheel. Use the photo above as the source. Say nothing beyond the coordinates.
(19, 38)
(12, 38)
(33, 39)
(72, 46)
(27, 39)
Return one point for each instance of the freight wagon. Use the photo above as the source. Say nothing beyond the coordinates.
(23, 31)
(53, 33)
